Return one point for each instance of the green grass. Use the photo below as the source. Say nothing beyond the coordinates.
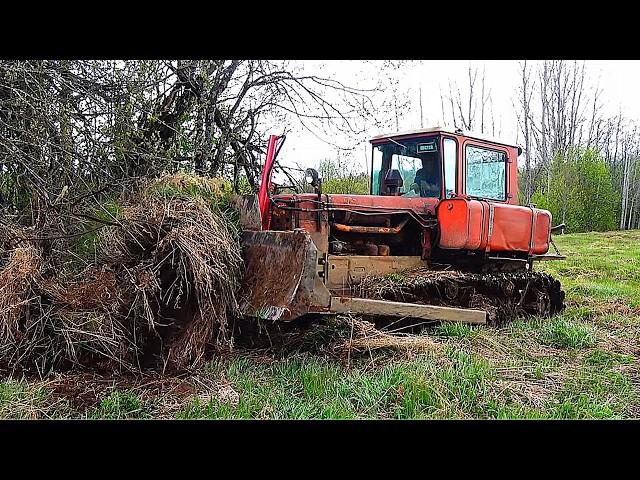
(562, 333)
(454, 330)
(19, 400)
(600, 267)
(120, 405)
(604, 358)
(593, 393)
(582, 364)
(316, 388)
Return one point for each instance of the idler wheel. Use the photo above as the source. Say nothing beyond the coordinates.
(543, 304)
(451, 291)
(508, 288)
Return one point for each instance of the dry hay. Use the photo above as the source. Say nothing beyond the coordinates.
(365, 336)
(402, 285)
(93, 288)
(330, 336)
(190, 268)
(160, 289)
(343, 336)
(181, 183)
(17, 275)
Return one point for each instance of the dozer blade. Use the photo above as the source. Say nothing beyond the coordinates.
(281, 280)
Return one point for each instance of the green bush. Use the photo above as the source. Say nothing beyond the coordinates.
(581, 192)
(340, 178)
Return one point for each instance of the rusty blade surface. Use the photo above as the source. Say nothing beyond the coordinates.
(279, 274)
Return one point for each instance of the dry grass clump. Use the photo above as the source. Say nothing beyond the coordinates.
(158, 290)
(188, 264)
(405, 285)
(91, 289)
(184, 182)
(17, 275)
(365, 336)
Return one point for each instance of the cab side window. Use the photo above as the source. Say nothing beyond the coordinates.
(486, 173)
(450, 162)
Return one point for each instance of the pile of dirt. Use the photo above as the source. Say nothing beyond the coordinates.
(156, 290)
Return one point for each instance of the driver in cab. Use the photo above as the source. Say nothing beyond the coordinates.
(427, 179)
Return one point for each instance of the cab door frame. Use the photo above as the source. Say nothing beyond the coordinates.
(457, 184)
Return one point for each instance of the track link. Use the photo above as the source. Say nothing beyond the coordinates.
(504, 295)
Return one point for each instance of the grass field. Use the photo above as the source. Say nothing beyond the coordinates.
(581, 364)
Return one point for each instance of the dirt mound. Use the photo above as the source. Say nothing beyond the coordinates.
(156, 290)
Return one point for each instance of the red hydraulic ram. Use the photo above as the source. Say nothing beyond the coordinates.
(265, 184)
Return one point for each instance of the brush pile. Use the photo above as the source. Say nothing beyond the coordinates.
(156, 287)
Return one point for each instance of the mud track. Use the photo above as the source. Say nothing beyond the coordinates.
(504, 295)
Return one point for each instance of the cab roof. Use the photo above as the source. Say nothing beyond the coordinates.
(458, 131)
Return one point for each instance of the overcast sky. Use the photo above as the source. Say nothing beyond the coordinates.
(617, 78)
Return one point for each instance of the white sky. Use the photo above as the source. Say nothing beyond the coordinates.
(617, 78)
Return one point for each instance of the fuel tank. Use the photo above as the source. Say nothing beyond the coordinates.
(469, 224)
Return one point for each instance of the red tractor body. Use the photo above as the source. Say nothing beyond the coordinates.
(437, 198)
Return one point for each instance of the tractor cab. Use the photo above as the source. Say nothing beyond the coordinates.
(440, 163)
(408, 168)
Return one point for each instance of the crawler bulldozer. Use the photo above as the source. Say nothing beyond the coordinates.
(440, 237)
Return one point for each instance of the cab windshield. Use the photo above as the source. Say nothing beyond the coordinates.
(409, 168)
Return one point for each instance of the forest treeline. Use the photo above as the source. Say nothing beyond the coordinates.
(581, 165)
(577, 162)
(581, 192)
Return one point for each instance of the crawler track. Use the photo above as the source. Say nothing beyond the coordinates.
(504, 295)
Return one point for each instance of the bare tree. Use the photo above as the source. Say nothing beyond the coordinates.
(79, 131)
(559, 121)
(463, 107)
(420, 100)
(483, 100)
(524, 120)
